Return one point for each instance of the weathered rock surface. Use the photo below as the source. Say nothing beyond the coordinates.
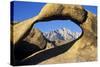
(73, 12)
(21, 29)
(34, 42)
(82, 49)
(36, 37)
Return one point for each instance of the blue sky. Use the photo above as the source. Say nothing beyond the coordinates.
(25, 10)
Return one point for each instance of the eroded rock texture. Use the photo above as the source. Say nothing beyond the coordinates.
(82, 49)
(36, 37)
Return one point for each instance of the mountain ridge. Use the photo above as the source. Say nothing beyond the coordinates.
(62, 34)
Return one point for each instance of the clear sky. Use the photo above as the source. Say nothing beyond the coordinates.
(25, 10)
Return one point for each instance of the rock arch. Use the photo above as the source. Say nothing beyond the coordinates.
(85, 19)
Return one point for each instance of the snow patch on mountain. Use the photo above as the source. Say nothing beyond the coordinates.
(61, 34)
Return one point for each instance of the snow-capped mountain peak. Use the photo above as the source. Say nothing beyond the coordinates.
(62, 34)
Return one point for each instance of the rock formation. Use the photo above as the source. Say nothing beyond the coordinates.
(35, 41)
(36, 37)
(82, 49)
(21, 29)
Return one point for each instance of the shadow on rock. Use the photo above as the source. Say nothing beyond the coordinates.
(49, 53)
(24, 49)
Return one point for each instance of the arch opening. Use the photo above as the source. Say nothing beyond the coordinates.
(59, 31)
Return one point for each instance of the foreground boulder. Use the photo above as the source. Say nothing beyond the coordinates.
(36, 37)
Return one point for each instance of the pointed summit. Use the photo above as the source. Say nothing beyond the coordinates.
(61, 34)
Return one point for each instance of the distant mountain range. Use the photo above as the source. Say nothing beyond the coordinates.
(62, 34)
